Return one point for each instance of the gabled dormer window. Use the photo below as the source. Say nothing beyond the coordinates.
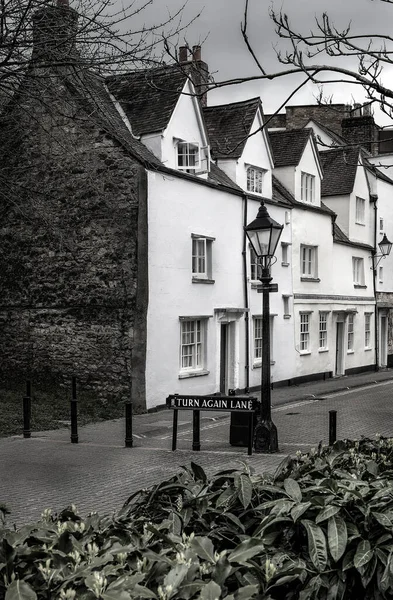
(308, 188)
(188, 156)
(254, 180)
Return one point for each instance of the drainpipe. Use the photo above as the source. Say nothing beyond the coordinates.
(246, 304)
(374, 199)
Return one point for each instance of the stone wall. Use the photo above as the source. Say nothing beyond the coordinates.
(73, 260)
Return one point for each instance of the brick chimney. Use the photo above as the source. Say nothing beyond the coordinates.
(54, 33)
(197, 69)
(361, 130)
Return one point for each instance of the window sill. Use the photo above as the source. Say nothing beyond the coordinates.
(193, 374)
(255, 284)
(367, 349)
(201, 280)
(304, 352)
(359, 223)
(310, 279)
(323, 350)
(287, 316)
(285, 264)
(357, 286)
(350, 351)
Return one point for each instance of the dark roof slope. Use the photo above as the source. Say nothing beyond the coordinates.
(282, 194)
(229, 126)
(339, 167)
(288, 146)
(148, 97)
(216, 175)
(340, 237)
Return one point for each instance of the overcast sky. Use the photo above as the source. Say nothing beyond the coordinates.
(225, 52)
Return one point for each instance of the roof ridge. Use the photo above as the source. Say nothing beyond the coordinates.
(234, 104)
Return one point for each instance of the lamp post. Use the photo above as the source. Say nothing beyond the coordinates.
(264, 234)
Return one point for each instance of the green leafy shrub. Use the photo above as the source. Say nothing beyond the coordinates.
(320, 528)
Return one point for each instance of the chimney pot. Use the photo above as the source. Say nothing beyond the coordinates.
(196, 53)
(183, 54)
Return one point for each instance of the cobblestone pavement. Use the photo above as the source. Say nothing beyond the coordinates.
(99, 473)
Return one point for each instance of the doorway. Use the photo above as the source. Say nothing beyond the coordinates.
(383, 348)
(224, 358)
(339, 370)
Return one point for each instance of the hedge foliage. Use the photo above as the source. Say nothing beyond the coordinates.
(320, 527)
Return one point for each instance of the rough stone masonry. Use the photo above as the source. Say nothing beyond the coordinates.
(72, 242)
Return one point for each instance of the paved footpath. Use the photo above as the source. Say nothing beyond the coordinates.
(99, 473)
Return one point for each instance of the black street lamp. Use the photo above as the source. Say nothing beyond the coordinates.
(264, 234)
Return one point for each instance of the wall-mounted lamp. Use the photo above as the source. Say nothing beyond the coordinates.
(385, 247)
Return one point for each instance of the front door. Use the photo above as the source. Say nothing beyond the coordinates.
(383, 353)
(224, 359)
(339, 348)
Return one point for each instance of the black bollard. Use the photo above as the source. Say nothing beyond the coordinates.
(332, 427)
(27, 411)
(129, 440)
(74, 414)
(196, 428)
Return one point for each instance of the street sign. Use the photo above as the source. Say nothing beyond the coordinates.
(272, 287)
(244, 404)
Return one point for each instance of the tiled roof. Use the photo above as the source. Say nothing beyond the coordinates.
(148, 97)
(229, 125)
(339, 168)
(288, 146)
(281, 194)
(216, 175)
(90, 91)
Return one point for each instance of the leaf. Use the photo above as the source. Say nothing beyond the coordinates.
(116, 595)
(225, 498)
(203, 547)
(143, 592)
(198, 472)
(175, 577)
(316, 544)
(337, 536)
(244, 487)
(327, 512)
(246, 550)
(247, 592)
(20, 590)
(363, 554)
(299, 509)
(383, 519)
(337, 590)
(348, 560)
(372, 468)
(293, 490)
(210, 591)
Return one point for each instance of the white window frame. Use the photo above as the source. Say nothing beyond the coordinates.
(201, 257)
(358, 270)
(360, 210)
(255, 265)
(323, 330)
(308, 262)
(381, 225)
(284, 254)
(304, 342)
(188, 156)
(307, 193)
(350, 332)
(255, 179)
(367, 330)
(193, 336)
(380, 274)
(286, 306)
(257, 325)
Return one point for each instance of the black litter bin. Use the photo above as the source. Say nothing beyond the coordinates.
(238, 431)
